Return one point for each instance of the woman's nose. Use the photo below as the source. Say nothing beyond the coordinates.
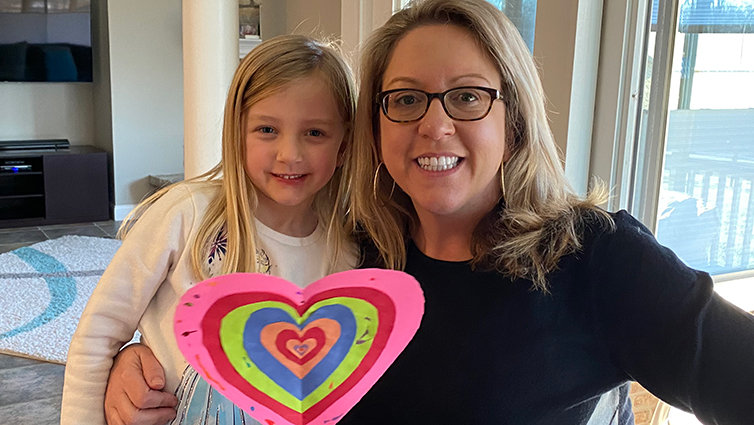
(436, 124)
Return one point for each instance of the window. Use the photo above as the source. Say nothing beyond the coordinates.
(523, 14)
(694, 148)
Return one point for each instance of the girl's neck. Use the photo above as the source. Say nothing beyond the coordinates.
(296, 222)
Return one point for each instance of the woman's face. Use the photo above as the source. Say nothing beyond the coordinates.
(436, 58)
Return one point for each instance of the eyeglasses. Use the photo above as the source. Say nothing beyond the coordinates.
(460, 103)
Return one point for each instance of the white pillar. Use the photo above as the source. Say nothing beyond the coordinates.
(210, 57)
(358, 18)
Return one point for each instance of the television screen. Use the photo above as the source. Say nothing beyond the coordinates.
(45, 40)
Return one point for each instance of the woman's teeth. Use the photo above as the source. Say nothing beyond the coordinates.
(441, 163)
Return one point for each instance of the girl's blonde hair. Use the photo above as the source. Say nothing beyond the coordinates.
(264, 71)
(542, 217)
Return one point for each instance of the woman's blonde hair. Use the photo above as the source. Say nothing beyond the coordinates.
(542, 217)
(264, 71)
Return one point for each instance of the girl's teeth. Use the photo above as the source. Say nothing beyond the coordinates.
(290, 177)
(438, 164)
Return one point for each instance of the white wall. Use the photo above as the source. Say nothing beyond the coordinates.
(313, 17)
(146, 81)
(566, 47)
(308, 17)
(47, 111)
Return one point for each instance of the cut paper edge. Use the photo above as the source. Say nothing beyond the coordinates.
(401, 289)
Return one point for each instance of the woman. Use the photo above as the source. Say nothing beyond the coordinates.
(540, 307)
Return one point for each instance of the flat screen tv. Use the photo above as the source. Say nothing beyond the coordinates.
(45, 40)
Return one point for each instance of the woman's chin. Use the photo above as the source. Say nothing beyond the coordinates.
(438, 207)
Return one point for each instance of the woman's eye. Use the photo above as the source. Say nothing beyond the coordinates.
(406, 100)
(467, 97)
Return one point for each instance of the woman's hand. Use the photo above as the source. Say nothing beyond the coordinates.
(134, 393)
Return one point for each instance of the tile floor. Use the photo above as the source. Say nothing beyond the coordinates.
(13, 238)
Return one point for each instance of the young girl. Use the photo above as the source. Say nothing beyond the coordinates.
(275, 205)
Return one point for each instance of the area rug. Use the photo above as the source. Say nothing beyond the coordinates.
(43, 290)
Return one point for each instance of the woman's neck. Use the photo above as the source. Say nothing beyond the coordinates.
(446, 239)
(296, 222)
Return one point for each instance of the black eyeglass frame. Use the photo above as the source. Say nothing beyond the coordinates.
(383, 95)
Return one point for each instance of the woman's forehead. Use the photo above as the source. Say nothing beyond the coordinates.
(439, 55)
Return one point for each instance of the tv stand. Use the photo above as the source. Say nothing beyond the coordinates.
(53, 186)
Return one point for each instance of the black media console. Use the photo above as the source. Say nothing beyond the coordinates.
(53, 186)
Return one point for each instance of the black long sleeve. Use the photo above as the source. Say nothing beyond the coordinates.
(492, 351)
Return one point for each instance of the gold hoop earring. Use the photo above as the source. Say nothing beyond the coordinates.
(502, 178)
(374, 182)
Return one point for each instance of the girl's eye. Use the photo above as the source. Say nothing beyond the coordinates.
(315, 133)
(266, 130)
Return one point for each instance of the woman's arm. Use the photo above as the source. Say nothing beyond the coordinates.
(134, 393)
(667, 328)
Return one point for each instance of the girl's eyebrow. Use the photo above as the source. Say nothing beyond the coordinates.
(262, 117)
(321, 121)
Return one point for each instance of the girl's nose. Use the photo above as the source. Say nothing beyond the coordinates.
(436, 124)
(289, 150)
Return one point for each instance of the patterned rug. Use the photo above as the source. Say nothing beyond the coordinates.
(43, 290)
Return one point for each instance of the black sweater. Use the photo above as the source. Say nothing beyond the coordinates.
(493, 351)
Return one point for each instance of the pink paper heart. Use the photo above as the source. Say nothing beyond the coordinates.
(293, 356)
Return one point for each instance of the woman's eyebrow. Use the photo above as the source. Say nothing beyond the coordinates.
(415, 82)
(470, 76)
(408, 80)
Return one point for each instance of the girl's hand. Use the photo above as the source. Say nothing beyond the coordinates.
(134, 393)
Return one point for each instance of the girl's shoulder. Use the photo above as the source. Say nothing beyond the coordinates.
(187, 194)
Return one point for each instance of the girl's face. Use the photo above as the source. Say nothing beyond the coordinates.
(293, 139)
(436, 58)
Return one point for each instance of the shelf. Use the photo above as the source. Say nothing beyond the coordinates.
(53, 186)
(19, 207)
(23, 173)
(31, 195)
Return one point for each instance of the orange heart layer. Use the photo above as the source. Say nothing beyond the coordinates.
(294, 350)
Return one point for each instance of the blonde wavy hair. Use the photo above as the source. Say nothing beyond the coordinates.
(542, 218)
(265, 70)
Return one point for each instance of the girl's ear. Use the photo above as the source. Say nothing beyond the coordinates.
(341, 154)
(342, 149)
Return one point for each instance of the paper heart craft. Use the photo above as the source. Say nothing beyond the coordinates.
(288, 355)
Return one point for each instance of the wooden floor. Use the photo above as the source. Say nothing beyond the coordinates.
(31, 390)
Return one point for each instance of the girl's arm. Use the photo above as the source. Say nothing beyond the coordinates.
(150, 250)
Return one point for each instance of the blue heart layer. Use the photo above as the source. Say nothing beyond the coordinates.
(276, 371)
